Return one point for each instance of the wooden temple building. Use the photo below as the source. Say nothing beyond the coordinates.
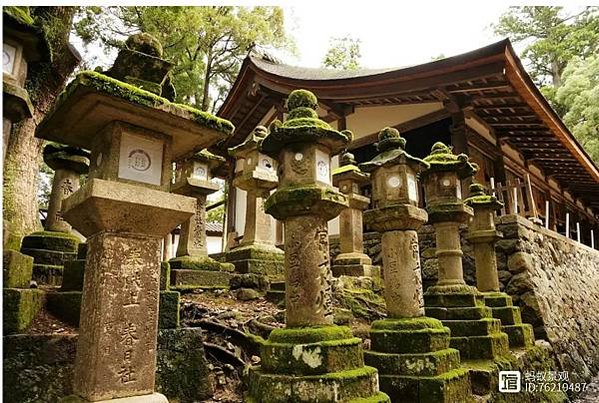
(482, 102)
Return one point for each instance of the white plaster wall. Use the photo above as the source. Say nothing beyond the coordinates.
(214, 244)
(368, 120)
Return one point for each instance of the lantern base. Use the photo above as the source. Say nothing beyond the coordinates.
(415, 361)
(474, 331)
(519, 334)
(319, 364)
(355, 265)
(267, 260)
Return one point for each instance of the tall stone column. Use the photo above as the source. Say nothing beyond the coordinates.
(125, 211)
(483, 235)
(408, 368)
(57, 245)
(310, 360)
(192, 267)
(352, 261)
(459, 306)
(256, 255)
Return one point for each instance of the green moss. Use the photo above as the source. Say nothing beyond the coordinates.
(168, 310)
(302, 99)
(288, 201)
(19, 13)
(346, 168)
(108, 85)
(206, 156)
(479, 197)
(66, 306)
(51, 240)
(16, 269)
(20, 307)
(419, 323)
(380, 397)
(144, 43)
(441, 159)
(309, 334)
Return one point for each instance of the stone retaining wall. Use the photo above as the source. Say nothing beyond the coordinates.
(554, 280)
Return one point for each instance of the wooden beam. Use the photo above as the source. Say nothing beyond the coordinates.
(475, 88)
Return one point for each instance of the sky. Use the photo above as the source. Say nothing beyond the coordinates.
(392, 35)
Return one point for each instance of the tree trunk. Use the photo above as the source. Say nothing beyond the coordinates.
(556, 74)
(206, 91)
(44, 82)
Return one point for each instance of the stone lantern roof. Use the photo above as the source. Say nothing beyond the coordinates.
(441, 159)
(303, 126)
(253, 141)
(19, 24)
(480, 197)
(391, 147)
(75, 159)
(129, 92)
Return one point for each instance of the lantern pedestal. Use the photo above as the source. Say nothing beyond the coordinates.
(54, 247)
(310, 360)
(193, 268)
(460, 307)
(410, 350)
(483, 235)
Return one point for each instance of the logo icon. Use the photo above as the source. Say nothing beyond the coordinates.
(509, 381)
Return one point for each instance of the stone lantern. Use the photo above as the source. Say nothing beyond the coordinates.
(352, 261)
(409, 369)
(23, 43)
(256, 173)
(482, 234)
(124, 210)
(56, 245)
(310, 360)
(192, 267)
(459, 306)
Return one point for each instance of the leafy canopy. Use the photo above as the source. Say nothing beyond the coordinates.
(579, 95)
(553, 36)
(206, 44)
(343, 54)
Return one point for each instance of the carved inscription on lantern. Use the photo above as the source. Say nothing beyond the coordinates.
(200, 171)
(140, 159)
(199, 223)
(323, 167)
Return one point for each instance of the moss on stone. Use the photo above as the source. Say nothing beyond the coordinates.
(65, 305)
(144, 43)
(301, 200)
(442, 159)
(51, 240)
(418, 323)
(111, 86)
(16, 269)
(479, 197)
(309, 334)
(303, 126)
(168, 310)
(20, 307)
(409, 341)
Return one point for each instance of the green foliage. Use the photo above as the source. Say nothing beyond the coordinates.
(579, 96)
(343, 54)
(206, 44)
(552, 37)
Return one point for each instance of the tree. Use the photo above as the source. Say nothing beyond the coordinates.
(206, 44)
(552, 37)
(579, 95)
(343, 54)
(23, 152)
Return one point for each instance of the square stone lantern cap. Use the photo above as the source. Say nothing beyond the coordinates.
(16, 104)
(18, 24)
(190, 186)
(350, 172)
(92, 101)
(121, 207)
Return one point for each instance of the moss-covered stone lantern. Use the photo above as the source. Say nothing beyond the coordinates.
(310, 360)
(352, 261)
(192, 267)
(482, 234)
(23, 43)
(459, 306)
(410, 370)
(256, 173)
(56, 245)
(125, 210)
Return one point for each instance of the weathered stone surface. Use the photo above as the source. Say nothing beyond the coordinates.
(72, 275)
(117, 329)
(47, 274)
(65, 305)
(16, 269)
(519, 262)
(49, 240)
(182, 279)
(20, 307)
(168, 310)
(39, 368)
